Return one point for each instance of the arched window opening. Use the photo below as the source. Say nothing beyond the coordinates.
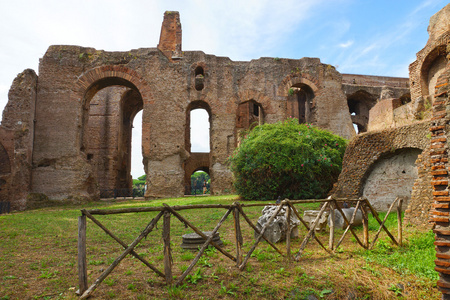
(359, 105)
(199, 71)
(200, 183)
(433, 66)
(249, 114)
(199, 78)
(137, 168)
(299, 103)
(199, 132)
(197, 141)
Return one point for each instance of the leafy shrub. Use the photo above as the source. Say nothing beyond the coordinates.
(287, 159)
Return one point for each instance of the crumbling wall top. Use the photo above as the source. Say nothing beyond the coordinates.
(439, 23)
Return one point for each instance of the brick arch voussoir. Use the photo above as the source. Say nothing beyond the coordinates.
(293, 79)
(88, 78)
(260, 98)
(428, 53)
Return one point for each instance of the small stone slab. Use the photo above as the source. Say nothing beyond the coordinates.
(194, 241)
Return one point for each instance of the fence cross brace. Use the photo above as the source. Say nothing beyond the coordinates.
(382, 224)
(127, 251)
(205, 245)
(307, 226)
(199, 232)
(132, 252)
(260, 235)
(349, 224)
(310, 232)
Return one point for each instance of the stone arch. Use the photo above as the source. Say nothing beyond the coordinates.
(256, 96)
(296, 79)
(433, 65)
(95, 79)
(359, 104)
(300, 91)
(131, 94)
(252, 108)
(367, 148)
(196, 162)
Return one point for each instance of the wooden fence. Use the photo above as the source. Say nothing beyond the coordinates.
(237, 210)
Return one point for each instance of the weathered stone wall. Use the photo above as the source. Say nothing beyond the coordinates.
(430, 60)
(366, 150)
(16, 136)
(419, 206)
(375, 81)
(166, 100)
(391, 177)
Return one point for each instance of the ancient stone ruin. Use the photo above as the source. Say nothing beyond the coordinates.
(66, 134)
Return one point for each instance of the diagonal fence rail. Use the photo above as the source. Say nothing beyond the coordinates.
(240, 258)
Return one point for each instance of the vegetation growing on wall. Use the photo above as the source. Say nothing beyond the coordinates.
(287, 159)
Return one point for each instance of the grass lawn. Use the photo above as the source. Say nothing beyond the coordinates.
(38, 259)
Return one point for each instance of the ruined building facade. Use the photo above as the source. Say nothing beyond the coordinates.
(66, 134)
(395, 157)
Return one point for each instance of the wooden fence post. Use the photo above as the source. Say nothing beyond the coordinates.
(311, 231)
(288, 232)
(399, 221)
(365, 222)
(167, 251)
(331, 240)
(238, 235)
(82, 264)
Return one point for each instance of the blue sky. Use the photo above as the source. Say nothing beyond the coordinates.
(357, 36)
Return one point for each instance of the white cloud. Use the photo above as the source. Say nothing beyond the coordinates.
(346, 44)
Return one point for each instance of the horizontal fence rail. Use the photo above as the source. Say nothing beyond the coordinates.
(237, 210)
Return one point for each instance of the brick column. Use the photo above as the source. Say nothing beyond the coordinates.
(439, 214)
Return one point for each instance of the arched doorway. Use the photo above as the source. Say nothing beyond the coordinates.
(200, 182)
(299, 102)
(197, 141)
(110, 106)
(248, 115)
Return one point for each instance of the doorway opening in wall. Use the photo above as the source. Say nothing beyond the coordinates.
(199, 130)
(197, 144)
(137, 167)
(111, 105)
(200, 183)
(299, 103)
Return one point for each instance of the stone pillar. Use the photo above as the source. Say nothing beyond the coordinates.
(170, 38)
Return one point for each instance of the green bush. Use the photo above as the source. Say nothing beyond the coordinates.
(287, 159)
